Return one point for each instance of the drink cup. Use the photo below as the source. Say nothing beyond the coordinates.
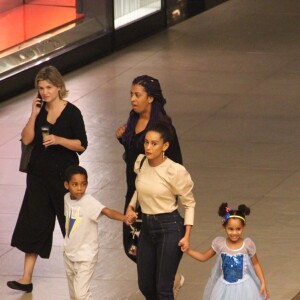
(45, 131)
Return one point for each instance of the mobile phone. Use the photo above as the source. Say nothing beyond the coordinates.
(40, 100)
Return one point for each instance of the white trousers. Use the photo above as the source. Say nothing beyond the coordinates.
(79, 275)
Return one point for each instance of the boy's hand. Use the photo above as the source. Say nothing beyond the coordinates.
(130, 217)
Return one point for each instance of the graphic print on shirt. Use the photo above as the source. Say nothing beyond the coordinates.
(232, 267)
(73, 219)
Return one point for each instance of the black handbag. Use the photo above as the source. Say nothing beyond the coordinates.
(135, 229)
(25, 156)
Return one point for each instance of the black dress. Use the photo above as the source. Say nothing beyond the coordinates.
(44, 195)
(131, 153)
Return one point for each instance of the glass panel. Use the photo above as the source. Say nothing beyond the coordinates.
(126, 11)
(39, 28)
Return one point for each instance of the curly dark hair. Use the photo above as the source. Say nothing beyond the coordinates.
(158, 113)
(164, 129)
(241, 211)
(73, 170)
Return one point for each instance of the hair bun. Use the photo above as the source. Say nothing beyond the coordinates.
(222, 209)
(244, 209)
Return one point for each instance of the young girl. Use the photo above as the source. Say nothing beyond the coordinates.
(237, 273)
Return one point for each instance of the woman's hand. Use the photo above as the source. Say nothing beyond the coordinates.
(37, 104)
(28, 131)
(51, 140)
(120, 131)
(74, 145)
(184, 244)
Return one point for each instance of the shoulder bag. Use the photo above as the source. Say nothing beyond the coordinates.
(25, 156)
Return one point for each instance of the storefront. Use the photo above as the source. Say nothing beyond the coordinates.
(71, 33)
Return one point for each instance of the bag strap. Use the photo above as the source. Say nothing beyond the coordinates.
(141, 163)
(139, 220)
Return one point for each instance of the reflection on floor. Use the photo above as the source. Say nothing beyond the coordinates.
(231, 80)
(27, 21)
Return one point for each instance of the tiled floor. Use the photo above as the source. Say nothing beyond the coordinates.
(232, 82)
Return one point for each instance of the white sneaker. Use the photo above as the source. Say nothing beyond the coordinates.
(178, 283)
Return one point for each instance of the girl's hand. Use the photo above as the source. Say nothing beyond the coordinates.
(265, 292)
(120, 131)
(184, 244)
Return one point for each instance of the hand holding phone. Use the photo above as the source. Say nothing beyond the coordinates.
(40, 103)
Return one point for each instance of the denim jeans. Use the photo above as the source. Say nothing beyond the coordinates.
(159, 254)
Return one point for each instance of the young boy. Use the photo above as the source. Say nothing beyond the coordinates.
(82, 212)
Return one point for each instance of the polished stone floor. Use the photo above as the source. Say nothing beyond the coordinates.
(231, 77)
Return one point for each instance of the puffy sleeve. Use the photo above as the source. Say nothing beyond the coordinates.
(250, 246)
(218, 244)
(182, 185)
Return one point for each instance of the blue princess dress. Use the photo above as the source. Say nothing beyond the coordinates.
(233, 276)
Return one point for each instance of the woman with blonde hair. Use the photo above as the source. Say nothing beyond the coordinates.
(57, 147)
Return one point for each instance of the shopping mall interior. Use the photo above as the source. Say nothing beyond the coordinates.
(230, 75)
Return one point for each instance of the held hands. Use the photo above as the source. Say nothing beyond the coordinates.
(130, 216)
(184, 244)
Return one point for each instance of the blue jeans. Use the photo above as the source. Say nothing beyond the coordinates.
(159, 254)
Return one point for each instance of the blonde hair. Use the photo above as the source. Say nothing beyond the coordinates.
(51, 74)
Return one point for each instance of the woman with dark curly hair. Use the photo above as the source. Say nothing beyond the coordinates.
(147, 103)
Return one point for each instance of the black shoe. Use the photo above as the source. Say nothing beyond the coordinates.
(20, 287)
